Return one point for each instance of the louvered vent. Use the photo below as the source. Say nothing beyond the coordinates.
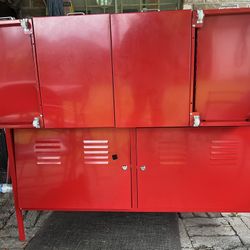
(224, 152)
(96, 152)
(48, 152)
(172, 153)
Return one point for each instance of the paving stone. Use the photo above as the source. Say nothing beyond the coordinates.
(3, 199)
(246, 220)
(244, 215)
(219, 242)
(42, 218)
(2, 224)
(202, 215)
(31, 218)
(193, 222)
(214, 215)
(8, 206)
(241, 229)
(31, 232)
(241, 248)
(11, 244)
(9, 232)
(210, 231)
(4, 215)
(228, 214)
(12, 221)
(185, 240)
(186, 215)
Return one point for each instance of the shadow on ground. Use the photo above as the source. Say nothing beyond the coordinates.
(108, 231)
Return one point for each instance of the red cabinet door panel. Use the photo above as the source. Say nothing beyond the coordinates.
(190, 169)
(74, 60)
(222, 76)
(19, 91)
(73, 169)
(151, 57)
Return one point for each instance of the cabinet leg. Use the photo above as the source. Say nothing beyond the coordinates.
(12, 171)
(20, 224)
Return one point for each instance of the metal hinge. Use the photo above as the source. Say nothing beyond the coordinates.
(25, 24)
(195, 119)
(200, 16)
(36, 122)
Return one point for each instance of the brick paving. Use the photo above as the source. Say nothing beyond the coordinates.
(33, 221)
(215, 231)
(198, 231)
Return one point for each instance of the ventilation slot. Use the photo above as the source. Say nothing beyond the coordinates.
(48, 152)
(172, 153)
(96, 152)
(224, 152)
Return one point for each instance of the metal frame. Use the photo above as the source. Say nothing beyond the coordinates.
(12, 169)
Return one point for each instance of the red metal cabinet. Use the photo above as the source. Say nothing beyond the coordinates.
(19, 90)
(74, 61)
(188, 169)
(151, 58)
(73, 169)
(222, 75)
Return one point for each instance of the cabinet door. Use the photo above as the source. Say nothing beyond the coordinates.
(74, 60)
(190, 169)
(19, 91)
(223, 75)
(151, 57)
(73, 169)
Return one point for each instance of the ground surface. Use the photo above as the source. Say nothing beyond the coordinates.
(108, 231)
(215, 231)
(201, 231)
(8, 227)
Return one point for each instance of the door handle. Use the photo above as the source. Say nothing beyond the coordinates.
(7, 18)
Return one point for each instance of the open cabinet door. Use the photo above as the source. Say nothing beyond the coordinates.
(152, 67)
(74, 62)
(222, 95)
(19, 90)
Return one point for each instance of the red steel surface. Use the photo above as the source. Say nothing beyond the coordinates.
(74, 60)
(19, 100)
(55, 169)
(223, 59)
(163, 69)
(12, 170)
(188, 169)
(151, 58)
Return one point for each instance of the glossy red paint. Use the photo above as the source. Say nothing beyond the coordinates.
(194, 169)
(151, 60)
(19, 92)
(222, 76)
(74, 61)
(164, 72)
(73, 169)
(12, 170)
(186, 169)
